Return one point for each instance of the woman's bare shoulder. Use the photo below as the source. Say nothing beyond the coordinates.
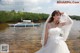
(48, 23)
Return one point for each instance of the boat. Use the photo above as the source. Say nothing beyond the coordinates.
(25, 23)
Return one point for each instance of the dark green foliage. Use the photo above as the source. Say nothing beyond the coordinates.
(75, 17)
(12, 16)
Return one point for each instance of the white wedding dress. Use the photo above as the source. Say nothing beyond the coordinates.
(55, 42)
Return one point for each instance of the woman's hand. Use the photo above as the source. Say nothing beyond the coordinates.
(62, 13)
(62, 24)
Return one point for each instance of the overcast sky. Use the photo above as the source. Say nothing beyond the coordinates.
(39, 6)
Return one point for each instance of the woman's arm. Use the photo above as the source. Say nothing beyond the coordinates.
(46, 34)
(65, 24)
(67, 21)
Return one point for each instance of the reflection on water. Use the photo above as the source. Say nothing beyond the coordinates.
(28, 38)
(75, 31)
(21, 38)
(12, 32)
(19, 33)
(3, 26)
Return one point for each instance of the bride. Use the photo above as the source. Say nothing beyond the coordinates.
(55, 33)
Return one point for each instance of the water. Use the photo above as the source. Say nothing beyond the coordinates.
(28, 38)
(12, 32)
(75, 30)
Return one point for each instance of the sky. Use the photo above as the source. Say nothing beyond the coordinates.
(39, 6)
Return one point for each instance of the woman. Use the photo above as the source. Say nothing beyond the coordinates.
(55, 33)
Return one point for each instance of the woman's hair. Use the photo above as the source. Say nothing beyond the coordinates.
(56, 12)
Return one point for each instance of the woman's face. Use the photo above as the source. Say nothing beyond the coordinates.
(56, 17)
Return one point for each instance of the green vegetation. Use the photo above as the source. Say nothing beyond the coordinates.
(12, 16)
(75, 17)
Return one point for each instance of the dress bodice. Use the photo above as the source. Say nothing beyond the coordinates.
(54, 31)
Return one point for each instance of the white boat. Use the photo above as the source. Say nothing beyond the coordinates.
(25, 23)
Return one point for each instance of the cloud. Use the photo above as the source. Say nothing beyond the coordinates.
(40, 6)
(37, 1)
(27, 5)
(36, 10)
(6, 1)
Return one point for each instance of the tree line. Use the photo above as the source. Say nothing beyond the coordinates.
(13, 16)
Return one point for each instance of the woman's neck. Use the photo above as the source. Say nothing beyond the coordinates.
(55, 22)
